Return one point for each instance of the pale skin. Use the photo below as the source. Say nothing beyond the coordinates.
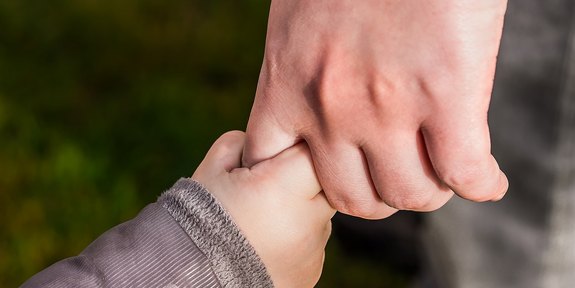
(390, 95)
(277, 204)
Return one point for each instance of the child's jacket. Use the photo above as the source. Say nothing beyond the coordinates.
(185, 239)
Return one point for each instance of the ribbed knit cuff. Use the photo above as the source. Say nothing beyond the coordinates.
(232, 257)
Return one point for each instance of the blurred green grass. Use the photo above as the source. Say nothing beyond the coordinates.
(103, 104)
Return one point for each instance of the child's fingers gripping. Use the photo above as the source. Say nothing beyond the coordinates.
(291, 171)
(224, 155)
(322, 205)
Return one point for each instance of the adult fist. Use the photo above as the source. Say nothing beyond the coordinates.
(391, 97)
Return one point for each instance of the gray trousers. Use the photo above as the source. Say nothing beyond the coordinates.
(528, 239)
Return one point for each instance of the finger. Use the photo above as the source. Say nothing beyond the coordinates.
(402, 173)
(224, 155)
(345, 178)
(292, 171)
(460, 151)
(266, 138)
(320, 201)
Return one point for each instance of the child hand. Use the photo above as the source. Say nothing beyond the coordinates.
(277, 204)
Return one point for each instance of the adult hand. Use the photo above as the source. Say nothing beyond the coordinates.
(391, 97)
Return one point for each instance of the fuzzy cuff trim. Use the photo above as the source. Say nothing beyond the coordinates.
(232, 257)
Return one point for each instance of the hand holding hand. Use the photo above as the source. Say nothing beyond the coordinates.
(277, 204)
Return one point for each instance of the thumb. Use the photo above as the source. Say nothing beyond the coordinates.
(223, 156)
(265, 137)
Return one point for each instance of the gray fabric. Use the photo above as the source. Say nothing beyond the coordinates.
(153, 250)
(528, 239)
(150, 250)
(233, 259)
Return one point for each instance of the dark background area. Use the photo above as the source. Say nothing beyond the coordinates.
(104, 104)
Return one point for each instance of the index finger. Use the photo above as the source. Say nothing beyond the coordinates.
(292, 171)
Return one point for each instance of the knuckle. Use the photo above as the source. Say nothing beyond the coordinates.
(234, 135)
(363, 209)
(463, 178)
(227, 142)
(409, 200)
(463, 173)
(469, 183)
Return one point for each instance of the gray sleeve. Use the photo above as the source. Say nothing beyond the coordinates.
(185, 239)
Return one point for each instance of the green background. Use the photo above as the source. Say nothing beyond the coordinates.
(104, 104)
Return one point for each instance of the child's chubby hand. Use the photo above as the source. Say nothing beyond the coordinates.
(278, 205)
